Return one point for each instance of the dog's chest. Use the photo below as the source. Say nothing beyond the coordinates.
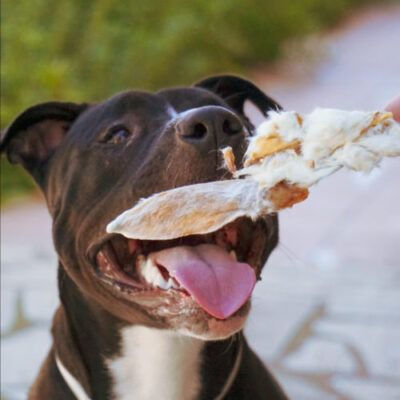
(155, 365)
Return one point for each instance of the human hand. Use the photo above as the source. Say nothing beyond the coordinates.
(394, 107)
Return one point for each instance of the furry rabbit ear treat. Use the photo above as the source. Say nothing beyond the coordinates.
(288, 154)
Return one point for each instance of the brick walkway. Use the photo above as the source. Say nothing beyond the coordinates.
(326, 316)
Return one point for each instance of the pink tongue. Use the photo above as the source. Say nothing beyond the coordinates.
(218, 283)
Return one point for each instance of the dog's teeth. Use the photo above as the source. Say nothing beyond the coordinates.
(172, 284)
(233, 255)
(153, 276)
(165, 284)
(160, 282)
(175, 285)
(147, 270)
(141, 262)
(151, 273)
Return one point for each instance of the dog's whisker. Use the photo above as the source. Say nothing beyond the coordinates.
(291, 255)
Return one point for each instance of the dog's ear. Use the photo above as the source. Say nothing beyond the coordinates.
(33, 136)
(236, 91)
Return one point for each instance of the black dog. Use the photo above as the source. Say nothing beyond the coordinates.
(117, 335)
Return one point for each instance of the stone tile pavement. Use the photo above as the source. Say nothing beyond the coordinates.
(326, 316)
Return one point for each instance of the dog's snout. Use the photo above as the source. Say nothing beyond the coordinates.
(210, 126)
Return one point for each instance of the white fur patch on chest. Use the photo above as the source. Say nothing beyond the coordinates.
(156, 364)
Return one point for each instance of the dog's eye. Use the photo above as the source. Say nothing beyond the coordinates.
(115, 135)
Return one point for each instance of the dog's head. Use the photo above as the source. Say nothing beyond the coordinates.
(92, 162)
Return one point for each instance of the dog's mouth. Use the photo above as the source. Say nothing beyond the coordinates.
(218, 270)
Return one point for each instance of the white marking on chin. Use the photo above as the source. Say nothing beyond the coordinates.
(156, 364)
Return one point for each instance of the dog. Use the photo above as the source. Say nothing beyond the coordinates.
(117, 334)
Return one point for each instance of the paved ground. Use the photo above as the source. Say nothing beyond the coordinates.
(326, 316)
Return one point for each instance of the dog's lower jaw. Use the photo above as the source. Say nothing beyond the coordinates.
(212, 329)
(105, 353)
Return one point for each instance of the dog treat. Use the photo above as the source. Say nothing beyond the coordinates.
(288, 154)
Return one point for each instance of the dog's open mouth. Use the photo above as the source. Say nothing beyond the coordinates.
(218, 270)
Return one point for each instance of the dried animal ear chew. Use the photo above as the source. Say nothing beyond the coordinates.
(288, 154)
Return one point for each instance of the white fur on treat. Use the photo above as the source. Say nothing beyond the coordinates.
(330, 139)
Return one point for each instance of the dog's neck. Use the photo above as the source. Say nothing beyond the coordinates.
(111, 359)
(157, 364)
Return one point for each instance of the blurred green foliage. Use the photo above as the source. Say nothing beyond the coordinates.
(15, 183)
(85, 50)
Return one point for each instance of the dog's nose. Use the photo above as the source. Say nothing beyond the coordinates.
(209, 127)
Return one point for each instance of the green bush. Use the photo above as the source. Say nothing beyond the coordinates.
(83, 50)
(15, 183)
